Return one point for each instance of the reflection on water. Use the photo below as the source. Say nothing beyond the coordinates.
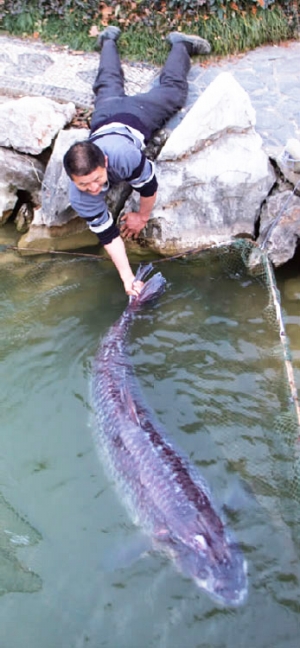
(210, 363)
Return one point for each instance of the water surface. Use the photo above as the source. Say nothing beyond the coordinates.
(209, 360)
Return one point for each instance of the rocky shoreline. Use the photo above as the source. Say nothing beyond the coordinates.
(227, 164)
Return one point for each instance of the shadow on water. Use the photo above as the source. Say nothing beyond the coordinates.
(15, 533)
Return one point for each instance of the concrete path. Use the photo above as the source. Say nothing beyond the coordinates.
(32, 68)
(270, 75)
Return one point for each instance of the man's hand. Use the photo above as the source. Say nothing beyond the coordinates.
(132, 224)
(133, 287)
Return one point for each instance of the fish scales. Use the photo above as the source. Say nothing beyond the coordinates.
(163, 491)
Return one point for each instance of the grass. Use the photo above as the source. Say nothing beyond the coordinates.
(227, 36)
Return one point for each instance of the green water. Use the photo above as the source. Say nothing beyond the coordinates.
(210, 363)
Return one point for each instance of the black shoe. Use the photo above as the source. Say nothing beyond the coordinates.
(109, 33)
(194, 44)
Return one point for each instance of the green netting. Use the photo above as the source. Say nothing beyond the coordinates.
(287, 424)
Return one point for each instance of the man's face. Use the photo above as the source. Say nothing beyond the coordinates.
(94, 182)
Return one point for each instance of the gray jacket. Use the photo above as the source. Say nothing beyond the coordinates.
(126, 161)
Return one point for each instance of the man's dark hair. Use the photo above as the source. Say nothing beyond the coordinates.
(82, 158)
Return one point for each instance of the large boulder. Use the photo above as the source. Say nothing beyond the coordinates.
(213, 173)
(30, 124)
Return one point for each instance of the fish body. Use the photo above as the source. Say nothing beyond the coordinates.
(164, 493)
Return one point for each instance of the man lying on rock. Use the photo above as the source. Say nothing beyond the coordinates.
(121, 125)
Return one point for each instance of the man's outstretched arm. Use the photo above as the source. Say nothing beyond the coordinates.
(117, 252)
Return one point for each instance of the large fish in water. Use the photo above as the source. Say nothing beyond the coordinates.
(165, 494)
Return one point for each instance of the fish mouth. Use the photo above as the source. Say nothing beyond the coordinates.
(225, 596)
(232, 598)
(225, 592)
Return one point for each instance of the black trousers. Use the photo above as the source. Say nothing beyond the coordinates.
(153, 108)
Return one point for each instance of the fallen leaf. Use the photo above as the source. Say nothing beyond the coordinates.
(94, 31)
(106, 14)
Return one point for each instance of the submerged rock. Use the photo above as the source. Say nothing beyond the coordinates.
(70, 236)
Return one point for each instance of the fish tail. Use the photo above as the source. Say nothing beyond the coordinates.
(143, 271)
(152, 288)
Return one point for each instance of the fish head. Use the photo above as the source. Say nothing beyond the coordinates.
(217, 567)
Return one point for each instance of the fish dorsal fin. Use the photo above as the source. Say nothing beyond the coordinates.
(129, 405)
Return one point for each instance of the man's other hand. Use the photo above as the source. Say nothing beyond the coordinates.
(131, 224)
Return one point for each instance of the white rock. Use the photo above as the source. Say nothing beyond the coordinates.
(213, 195)
(223, 107)
(213, 174)
(30, 124)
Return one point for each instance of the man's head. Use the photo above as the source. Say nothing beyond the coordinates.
(86, 165)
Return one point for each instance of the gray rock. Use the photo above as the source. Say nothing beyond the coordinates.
(280, 226)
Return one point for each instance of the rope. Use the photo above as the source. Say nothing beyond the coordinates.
(96, 257)
(4, 248)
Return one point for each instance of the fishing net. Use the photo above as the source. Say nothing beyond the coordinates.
(244, 258)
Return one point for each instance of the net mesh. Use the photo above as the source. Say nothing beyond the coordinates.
(244, 257)
(287, 422)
